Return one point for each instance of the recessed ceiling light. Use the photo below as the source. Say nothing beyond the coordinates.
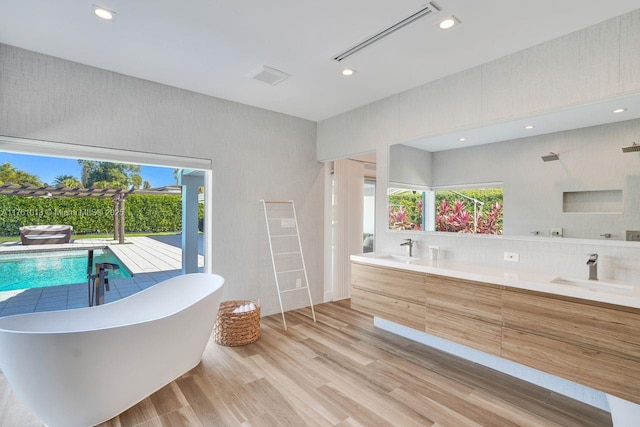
(527, 127)
(619, 110)
(462, 139)
(102, 13)
(348, 72)
(448, 22)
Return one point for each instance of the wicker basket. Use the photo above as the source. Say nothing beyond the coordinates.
(233, 329)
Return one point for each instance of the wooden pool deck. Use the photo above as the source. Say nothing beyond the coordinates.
(150, 259)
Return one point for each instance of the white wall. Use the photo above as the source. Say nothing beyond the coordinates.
(592, 64)
(588, 65)
(410, 166)
(256, 153)
(348, 212)
(591, 159)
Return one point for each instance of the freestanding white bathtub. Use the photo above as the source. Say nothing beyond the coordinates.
(84, 366)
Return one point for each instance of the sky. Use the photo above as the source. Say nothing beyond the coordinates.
(47, 168)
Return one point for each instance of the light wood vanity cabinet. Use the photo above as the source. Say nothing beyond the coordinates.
(395, 295)
(466, 312)
(588, 342)
(462, 311)
(595, 325)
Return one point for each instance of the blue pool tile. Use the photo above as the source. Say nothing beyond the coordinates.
(16, 301)
(54, 292)
(128, 289)
(41, 309)
(21, 303)
(146, 285)
(77, 304)
(53, 298)
(78, 298)
(29, 294)
(111, 297)
(60, 305)
(8, 311)
(84, 296)
(76, 295)
(125, 294)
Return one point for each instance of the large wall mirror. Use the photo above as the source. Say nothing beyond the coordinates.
(574, 174)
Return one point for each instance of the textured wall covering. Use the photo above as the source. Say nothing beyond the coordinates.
(588, 65)
(256, 153)
(595, 63)
(410, 166)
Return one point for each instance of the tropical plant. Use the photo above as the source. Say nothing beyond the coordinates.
(491, 223)
(454, 217)
(405, 210)
(457, 217)
(68, 181)
(11, 175)
(398, 219)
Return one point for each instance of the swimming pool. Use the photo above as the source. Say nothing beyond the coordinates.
(27, 270)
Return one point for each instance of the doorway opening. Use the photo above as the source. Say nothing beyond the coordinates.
(352, 219)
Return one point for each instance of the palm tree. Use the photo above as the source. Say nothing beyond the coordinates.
(68, 181)
(11, 175)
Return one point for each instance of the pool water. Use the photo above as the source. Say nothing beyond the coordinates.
(41, 269)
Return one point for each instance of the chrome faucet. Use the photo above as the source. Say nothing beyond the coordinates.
(593, 266)
(408, 242)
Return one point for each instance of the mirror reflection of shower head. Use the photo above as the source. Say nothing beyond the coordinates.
(550, 157)
(631, 148)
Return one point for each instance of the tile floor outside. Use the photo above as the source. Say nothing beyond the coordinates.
(150, 259)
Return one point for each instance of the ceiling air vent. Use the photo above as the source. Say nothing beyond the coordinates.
(426, 10)
(268, 75)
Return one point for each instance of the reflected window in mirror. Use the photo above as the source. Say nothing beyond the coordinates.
(406, 209)
(469, 210)
(472, 210)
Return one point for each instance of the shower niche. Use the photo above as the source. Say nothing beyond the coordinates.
(594, 202)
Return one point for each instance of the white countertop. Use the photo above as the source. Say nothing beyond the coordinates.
(607, 291)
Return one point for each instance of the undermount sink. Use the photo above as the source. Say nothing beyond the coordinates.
(602, 284)
(401, 258)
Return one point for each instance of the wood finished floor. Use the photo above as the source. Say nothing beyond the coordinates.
(340, 372)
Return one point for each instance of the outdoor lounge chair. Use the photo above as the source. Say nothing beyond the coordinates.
(45, 234)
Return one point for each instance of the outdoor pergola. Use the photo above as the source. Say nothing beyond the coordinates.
(118, 197)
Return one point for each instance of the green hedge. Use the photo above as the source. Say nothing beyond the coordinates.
(143, 213)
(489, 196)
(412, 202)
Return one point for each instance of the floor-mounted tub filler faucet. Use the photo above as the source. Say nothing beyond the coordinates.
(593, 266)
(409, 243)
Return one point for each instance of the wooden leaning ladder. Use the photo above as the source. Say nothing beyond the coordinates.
(286, 250)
